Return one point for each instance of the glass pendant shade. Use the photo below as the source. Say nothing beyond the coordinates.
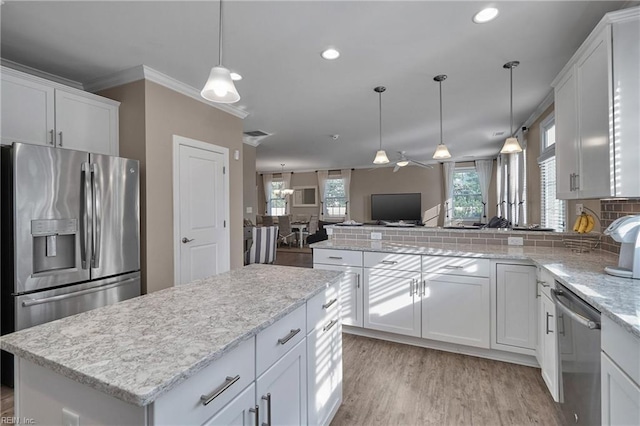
(511, 146)
(219, 87)
(287, 191)
(381, 157)
(402, 163)
(442, 153)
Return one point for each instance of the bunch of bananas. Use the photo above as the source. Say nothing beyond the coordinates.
(584, 223)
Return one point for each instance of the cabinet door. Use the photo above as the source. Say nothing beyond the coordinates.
(27, 111)
(566, 116)
(457, 310)
(620, 395)
(239, 412)
(550, 358)
(392, 301)
(593, 109)
(282, 389)
(516, 316)
(86, 124)
(324, 374)
(350, 293)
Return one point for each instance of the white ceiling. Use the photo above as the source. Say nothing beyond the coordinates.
(290, 91)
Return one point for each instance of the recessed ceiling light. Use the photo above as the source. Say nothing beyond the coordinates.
(330, 54)
(485, 15)
(235, 76)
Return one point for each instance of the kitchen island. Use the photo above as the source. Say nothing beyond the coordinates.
(183, 354)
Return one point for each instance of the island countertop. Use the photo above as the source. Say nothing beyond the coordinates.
(583, 273)
(138, 349)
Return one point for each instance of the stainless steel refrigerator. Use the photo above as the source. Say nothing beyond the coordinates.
(70, 235)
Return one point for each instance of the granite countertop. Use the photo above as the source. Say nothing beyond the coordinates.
(138, 349)
(583, 273)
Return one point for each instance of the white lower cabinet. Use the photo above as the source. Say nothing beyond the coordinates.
(548, 343)
(456, 309)
(392, 301)
(350, 293)
(239, 412)
(282, 389)
(620, 395)
(516, 308)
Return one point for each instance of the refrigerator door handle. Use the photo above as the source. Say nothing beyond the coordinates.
(97, 217)
(85, 206)
(31, 302)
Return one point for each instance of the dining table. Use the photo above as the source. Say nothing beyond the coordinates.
(300, 227)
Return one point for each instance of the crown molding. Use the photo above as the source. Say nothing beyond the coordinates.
(147, 73)
(42, 74)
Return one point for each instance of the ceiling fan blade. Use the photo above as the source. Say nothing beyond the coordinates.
(396, 168)
(418, 163)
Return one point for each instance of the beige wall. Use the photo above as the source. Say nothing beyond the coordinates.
(249, 182)
(164, 113)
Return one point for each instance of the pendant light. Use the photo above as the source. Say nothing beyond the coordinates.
(511, 145)
(284, 191)
(381, 156)
(219, 87)
(442, 153)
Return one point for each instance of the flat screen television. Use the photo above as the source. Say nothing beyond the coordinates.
(396, 207)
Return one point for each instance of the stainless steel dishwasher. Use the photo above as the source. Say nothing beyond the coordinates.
(578, 333)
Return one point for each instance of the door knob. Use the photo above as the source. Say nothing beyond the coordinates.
(186, 240)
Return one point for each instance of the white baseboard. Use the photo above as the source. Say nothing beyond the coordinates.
(496, 355)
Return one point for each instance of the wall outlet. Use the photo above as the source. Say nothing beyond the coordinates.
(329, 231)
(376, 235)
(515, 241)
(249, 209)
(579, 209)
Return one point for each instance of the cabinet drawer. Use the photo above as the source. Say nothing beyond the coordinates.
(337, 257)
(274, 341)
(545, 282)
(622, 347)
(456, 266)
(323, 307)
(393, 261)
(226, 377)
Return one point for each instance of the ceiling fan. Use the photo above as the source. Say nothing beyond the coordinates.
(405, 161)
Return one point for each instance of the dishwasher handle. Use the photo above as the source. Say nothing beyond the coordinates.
(592, 325)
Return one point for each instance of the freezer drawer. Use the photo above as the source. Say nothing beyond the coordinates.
(39, 308)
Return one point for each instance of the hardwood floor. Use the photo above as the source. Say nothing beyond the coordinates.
(388, 383)
(6, 402)
(287, 258)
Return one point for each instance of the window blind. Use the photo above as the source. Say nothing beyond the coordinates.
(552, 210)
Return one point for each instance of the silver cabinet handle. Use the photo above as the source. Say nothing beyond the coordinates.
(328, 304)
(331, 324)
(411, 288)
(424, 288)
(542, 283)
(51, 137)
(289, 336)
(31, 302)
(571, 182)
(357, 280)
(453, 267)
(186, 240)
(60, 134)
(206, 399)
(268, 399)
(389, 262)
(549, 316)
(335, 257)
(256, 410)
(576, 182)
(97, 216)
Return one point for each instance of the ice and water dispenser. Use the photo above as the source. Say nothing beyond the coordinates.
(54, 244)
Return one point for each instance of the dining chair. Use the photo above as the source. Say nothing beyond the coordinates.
(284, 222)
(267, 220)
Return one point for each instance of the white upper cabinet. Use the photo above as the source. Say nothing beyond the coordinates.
(597, 106)
(42, 112)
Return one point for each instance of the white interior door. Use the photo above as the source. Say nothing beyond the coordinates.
(202, 200)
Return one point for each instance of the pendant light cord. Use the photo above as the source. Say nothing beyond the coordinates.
(380, 109)
(441, 140)
(220, 36)
(511, 100)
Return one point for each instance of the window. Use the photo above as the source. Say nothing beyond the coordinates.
(335, 200)
(552, 210)
(278, 203)
(467, 197)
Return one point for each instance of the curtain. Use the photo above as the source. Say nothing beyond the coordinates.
(286, 179)
(499, 187)
(346, 178)
(484, 168)
(512, 191)
(522, 174)
(447, 178)
(323, 175)
(267, 179)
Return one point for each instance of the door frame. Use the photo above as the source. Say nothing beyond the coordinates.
(179, 141)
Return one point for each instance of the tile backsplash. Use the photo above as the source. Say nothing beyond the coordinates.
(611, 210)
